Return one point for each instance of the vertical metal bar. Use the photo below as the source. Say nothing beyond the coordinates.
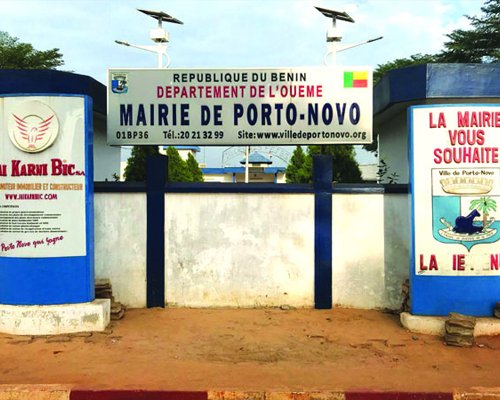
(247, 155)
(157, 167)
(322, 179)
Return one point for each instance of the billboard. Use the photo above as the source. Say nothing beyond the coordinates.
(281, 106)
(455, 184)
(42, 177)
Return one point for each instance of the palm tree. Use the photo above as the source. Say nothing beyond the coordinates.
(484, 205)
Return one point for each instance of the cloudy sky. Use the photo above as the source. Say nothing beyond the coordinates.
(231, 33)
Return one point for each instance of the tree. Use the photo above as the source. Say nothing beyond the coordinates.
(177, 168)
(296, 170)
(194, 169)
(17, 55)
(344, 164)
(481, 44)
(384, 175)
(415, 59)
(135, 171)
(484, 204)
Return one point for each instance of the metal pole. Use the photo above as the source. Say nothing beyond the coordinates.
(247, 155)
(159, 53)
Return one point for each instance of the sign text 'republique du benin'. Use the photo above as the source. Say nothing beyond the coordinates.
(285, 106)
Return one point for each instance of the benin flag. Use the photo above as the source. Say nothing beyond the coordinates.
(355, 79)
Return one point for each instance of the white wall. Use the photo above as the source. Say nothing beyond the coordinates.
(227, 178)
(369, 250)
(393, 148)
(243, 250)
(106, 158)
(240, 177)
(120, 244)
(251, 250)
(261, 178)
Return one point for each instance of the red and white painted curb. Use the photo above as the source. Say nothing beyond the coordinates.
(59, 392)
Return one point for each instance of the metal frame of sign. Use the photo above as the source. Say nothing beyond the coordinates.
(221, 107)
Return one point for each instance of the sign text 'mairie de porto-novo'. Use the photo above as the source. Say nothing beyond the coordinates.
(231, 107)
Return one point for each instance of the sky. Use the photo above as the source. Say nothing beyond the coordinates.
(232, 33)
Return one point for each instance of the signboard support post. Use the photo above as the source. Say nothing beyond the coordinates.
(247, 163)
(157, 172)
(322, 180)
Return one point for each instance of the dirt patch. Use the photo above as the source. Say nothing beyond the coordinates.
(267, 349)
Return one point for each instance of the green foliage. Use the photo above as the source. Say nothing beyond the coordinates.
(481, 44)
(415, 59)
(17, 55)
(296, 170)
(383, 173)
(344, 164)
(194, 169)
(484, 204)
(135, 171)
(177, 167)
(373, 146)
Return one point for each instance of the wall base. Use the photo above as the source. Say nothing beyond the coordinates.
(55, 319)
(435, 325)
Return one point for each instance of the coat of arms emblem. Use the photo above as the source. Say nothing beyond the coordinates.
(464, 205)
(119, 83)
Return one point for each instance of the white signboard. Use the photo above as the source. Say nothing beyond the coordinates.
(456, 189)
(240, 106)
(42, 178)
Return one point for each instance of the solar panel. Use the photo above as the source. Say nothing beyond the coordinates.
(343, 16)
(161, 16)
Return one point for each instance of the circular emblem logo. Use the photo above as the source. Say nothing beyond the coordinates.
(33, 126)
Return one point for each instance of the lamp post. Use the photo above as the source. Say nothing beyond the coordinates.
(333, 36)
(333, 39)
(158, 35)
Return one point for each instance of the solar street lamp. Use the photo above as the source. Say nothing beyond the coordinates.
(333, 37)
(158, 35)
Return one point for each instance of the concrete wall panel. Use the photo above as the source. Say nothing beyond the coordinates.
(120, 244)
(239, 250)
(255, 250)
(369, 250)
